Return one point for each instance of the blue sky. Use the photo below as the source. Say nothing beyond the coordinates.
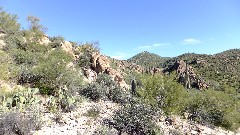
(126, 27)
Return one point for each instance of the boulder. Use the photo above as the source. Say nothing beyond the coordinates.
(45, 40)
(67, 47)
(90, 74)
(2, 44)
(102, 63)
(117, 77)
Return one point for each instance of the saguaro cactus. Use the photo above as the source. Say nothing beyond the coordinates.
(133, 87)
(187, 78)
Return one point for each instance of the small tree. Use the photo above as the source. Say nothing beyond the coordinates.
(36, 30)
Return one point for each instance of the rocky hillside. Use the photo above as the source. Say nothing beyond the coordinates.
(52, 86)
(219, 70)
(212, 71)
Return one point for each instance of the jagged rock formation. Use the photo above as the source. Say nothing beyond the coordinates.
(186, 75)
(101, 64)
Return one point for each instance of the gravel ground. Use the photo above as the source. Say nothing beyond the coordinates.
(77, 123)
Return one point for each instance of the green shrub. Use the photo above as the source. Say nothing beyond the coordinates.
(72, 79)
(94, 91)
(210, 107)
(85, 52)
(51, 69)
(10, 26)
(56, 41)
(105, 80)
(8, 70)
(112, 91)
(152, 86)
(173, 97)
(135, 117)
(36, 31)
(214, 107)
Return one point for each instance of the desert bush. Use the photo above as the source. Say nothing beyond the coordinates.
(173, 97)
(9, 22)
(36, 31)
(17, 123)
(93, 112)
(85, 52)
(135, 117)
(214, 107)
(94, 91)
(152, 86)
(72, 79)
(50, 69)
(8, 69)
(56, 41)
(10, 26)
(106, 89)
(163, 92)
(105, 130)
(105, 80)
(113, 91)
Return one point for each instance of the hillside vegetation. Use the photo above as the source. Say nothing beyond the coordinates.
(220, 70)
(148, 60)
(47, 84)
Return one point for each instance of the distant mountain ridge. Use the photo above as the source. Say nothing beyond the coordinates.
(221, 69)
(148, 60)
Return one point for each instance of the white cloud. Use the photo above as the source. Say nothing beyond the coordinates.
(157, 45)
(191, 41)
(149, 47)
(145, 47)
(119, 55)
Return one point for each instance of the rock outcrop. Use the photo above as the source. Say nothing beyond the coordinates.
(101, 64)
(45, 40)
(183, 71)
(67, 47)
(124, 65)
(154, 70)
(90, 74)
(2, 43)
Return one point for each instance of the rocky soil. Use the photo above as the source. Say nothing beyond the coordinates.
(78, 123)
